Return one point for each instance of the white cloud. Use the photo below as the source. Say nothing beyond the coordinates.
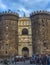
(31, 5)
(26, 6)
(24, 10)
(48, 9)
(3, 6)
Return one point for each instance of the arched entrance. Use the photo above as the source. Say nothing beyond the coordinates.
(25, 52)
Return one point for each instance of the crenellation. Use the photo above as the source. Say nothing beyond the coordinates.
(9, 12)
(40, 12)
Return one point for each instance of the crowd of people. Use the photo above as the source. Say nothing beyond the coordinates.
(38, 59)
(41, 59)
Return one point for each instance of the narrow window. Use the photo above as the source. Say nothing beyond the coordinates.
(24, 32)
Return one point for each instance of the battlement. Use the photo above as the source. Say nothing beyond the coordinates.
(9, 12)
(39, 12)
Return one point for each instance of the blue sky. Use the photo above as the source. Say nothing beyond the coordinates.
(27, 6)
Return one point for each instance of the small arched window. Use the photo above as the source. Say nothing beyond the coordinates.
(44, 44)
(43, 22)
(6, 52)
(24, 31)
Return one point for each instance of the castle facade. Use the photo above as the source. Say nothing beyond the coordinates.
(24, 36)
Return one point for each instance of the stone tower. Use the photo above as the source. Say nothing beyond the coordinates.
(8, 33)
(40, 31)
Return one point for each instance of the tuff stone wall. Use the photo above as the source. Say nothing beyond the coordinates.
(40, 31)
(9, 33)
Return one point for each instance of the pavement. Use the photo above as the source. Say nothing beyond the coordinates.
(20, 63)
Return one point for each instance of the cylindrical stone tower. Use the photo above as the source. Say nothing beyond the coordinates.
(9, 31)
(40, 31)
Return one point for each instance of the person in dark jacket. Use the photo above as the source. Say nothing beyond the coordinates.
(39, 60)
(48, 62)
(5, 62)
(15, 60)
(44, 60)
